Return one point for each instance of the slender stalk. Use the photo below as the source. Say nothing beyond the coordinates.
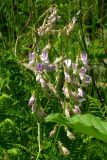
(38, 141)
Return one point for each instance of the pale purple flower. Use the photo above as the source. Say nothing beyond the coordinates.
(87, 79)
(80, 92)
(67, 63)
(40, 67)
(74, 67)
(42, 82)
(44, 56)
(76, 110)
(75, 95)
(31, 58)
(66, 92)
(32, 101)
(83, 57)
(67, 77)
(82, 72)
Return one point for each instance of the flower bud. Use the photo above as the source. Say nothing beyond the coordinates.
(32, 101)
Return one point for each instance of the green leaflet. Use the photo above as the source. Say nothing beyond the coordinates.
(87, 124)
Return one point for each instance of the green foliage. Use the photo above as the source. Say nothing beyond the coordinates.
(87, 124)
(97, 150)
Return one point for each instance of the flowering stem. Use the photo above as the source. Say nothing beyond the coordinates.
(38, 141)
(85, 47)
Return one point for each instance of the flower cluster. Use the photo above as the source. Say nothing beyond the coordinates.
(69, 27)
(48, 22)
(75, 76)
(73, 83)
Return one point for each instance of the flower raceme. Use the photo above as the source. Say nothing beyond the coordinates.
(74, 74)
(68, 65)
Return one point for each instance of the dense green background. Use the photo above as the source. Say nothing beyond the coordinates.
(19, 21)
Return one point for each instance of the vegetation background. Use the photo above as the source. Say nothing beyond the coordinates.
(24, 135)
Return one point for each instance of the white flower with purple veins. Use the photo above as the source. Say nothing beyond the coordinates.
(74, 67)
(83, 57)
(80, 92)
(31, 58)
(76, 110)
(32, 103)
(67, 63)
(44, 56)
(42, 82)
(82, 73)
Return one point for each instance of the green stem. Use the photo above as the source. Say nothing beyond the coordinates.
(38, 141)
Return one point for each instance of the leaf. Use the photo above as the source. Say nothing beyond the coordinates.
(13, 152)
(87, 124)
(7, 122)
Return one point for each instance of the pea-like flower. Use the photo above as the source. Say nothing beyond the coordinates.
(76, 110)
(31, 58)
(87, 79)
(74, 68)
(80, 92)
(68, 62)
(82, 72)
(40, 67)
(83, 57)
(32, 100)
(66, 91)
(67, 77)
(44, 56)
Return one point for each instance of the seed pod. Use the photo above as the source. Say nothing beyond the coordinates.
(70, 135)
(63, 149)
(52, 133)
